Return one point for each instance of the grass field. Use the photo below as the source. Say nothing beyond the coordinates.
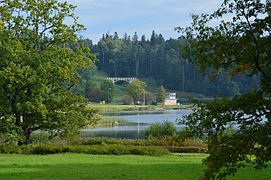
(81, 166)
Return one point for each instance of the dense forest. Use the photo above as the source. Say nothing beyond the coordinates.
(161, 60)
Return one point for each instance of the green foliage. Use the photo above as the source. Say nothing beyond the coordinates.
(159, 130)
(161, 60)
(147, 98)
(37, 69)
(98, 89)
(161, 96)
(107, 89)
(127, 100)
(136, 89)
(109, 121)
(40, 137)
(238, 45)
(176, 149)
(93, 92)
(175, 140)
(106, 146)
(9, 132)
(94, 149)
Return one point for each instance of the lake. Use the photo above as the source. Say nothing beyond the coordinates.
(142, 120)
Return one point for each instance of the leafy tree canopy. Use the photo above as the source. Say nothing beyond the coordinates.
(235, 38)
(107, 88)
(37, 68)
(136, 89)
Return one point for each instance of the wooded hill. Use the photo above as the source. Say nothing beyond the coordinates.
(161, 60)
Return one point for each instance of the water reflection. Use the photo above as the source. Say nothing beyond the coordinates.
(142, 120)
(128, 132)
(150, 117)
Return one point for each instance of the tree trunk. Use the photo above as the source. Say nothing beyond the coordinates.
(27, 133)
(26, 138)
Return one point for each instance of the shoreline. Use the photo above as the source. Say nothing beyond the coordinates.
(107, 108)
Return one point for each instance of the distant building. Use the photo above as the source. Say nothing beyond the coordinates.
(171, 99)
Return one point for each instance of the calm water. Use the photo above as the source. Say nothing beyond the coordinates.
(142, 120)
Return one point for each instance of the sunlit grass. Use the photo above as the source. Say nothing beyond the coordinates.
(81, 166)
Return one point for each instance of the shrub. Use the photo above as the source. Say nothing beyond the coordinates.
(85, 149)
(101, 150)
(127, 100)
(175, 149)
(158, 130)
(45, 149)
(174, 140)
(12, 149)
(40, 137)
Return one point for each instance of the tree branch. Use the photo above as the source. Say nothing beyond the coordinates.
(70, 87)
(44, 30)
(257, 56)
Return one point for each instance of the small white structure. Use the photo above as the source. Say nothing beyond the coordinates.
(116, 79)
(171, 99)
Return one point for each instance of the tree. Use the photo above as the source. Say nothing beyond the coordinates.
(161, 96)
(239, 44)
(107, 89)
(38, 69)
(136, 89)
(147, 98)
(93, 92)
(127, 100)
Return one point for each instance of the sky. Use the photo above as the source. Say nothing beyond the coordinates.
(141, 16)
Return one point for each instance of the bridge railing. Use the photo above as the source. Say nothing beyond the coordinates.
(127, 79)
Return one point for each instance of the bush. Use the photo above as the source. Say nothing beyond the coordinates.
(127, 100)
(12, 149)
(85, 149)
(175, 149)
(158, 130)
(175, 140)
(39, 137)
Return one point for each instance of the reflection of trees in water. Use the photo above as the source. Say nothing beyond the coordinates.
(115, 134)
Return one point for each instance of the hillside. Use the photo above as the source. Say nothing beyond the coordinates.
(160, 62)
(94, 78)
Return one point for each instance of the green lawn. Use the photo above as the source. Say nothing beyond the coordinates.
(81, 166)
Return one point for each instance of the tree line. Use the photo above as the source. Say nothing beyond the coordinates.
(160, 60)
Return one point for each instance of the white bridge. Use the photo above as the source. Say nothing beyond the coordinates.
(126, 79)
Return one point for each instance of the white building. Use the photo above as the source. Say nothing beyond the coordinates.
(171, 99)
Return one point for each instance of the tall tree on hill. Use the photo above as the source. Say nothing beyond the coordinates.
(37, 68)
(135, 52)
(158, 59)
(241, 45)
